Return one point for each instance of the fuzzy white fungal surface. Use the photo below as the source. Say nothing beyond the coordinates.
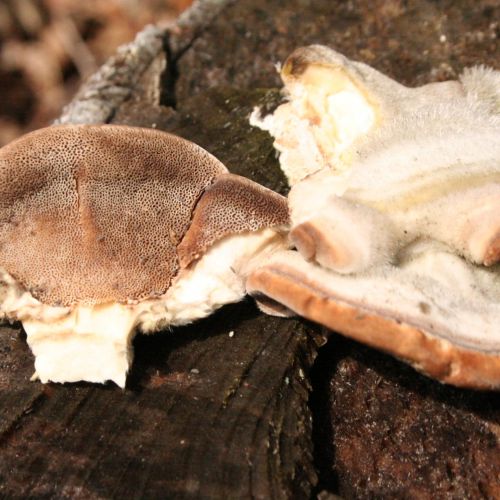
(325, 114)
(445, 186)
(336, 106)
(314, 129)
(395, 199)
(381, 165)
(431, 288)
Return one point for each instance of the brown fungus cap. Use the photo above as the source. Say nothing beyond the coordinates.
(231, 205)
(93, 214)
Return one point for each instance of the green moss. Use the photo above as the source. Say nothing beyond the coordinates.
(218, 120)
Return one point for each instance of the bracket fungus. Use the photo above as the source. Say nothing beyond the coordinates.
(395, 212)
(393, 235)
(105, 229)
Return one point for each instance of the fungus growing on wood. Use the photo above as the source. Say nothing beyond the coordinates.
(395, 217)
(92, 228)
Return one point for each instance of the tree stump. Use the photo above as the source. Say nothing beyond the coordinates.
(232, 406)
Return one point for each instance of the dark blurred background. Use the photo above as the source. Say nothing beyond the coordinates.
(47, 47)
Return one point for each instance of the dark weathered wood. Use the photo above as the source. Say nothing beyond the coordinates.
(205, 414)
(209, 415)
(116, 81)
(392, 433)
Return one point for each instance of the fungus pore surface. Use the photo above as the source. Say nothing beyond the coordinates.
(92, 222)
(102, 206)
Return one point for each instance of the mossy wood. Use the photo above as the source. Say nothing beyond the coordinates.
(230, 407)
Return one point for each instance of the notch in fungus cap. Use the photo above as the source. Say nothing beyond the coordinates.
(91, 218)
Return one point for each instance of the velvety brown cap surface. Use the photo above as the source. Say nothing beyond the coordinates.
(95, 213)
(231, 205)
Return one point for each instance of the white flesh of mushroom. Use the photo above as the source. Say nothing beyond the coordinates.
(93, 343)
(326, 112)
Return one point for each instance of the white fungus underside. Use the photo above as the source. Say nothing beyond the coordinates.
(431, 289)
(93, 343)
(444, 186)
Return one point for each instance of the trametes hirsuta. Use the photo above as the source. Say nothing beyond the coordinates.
(395, 212)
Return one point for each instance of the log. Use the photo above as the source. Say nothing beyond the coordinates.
(232, 406)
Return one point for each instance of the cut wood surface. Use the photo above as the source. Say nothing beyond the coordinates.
(217, 410)
(229, 407)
